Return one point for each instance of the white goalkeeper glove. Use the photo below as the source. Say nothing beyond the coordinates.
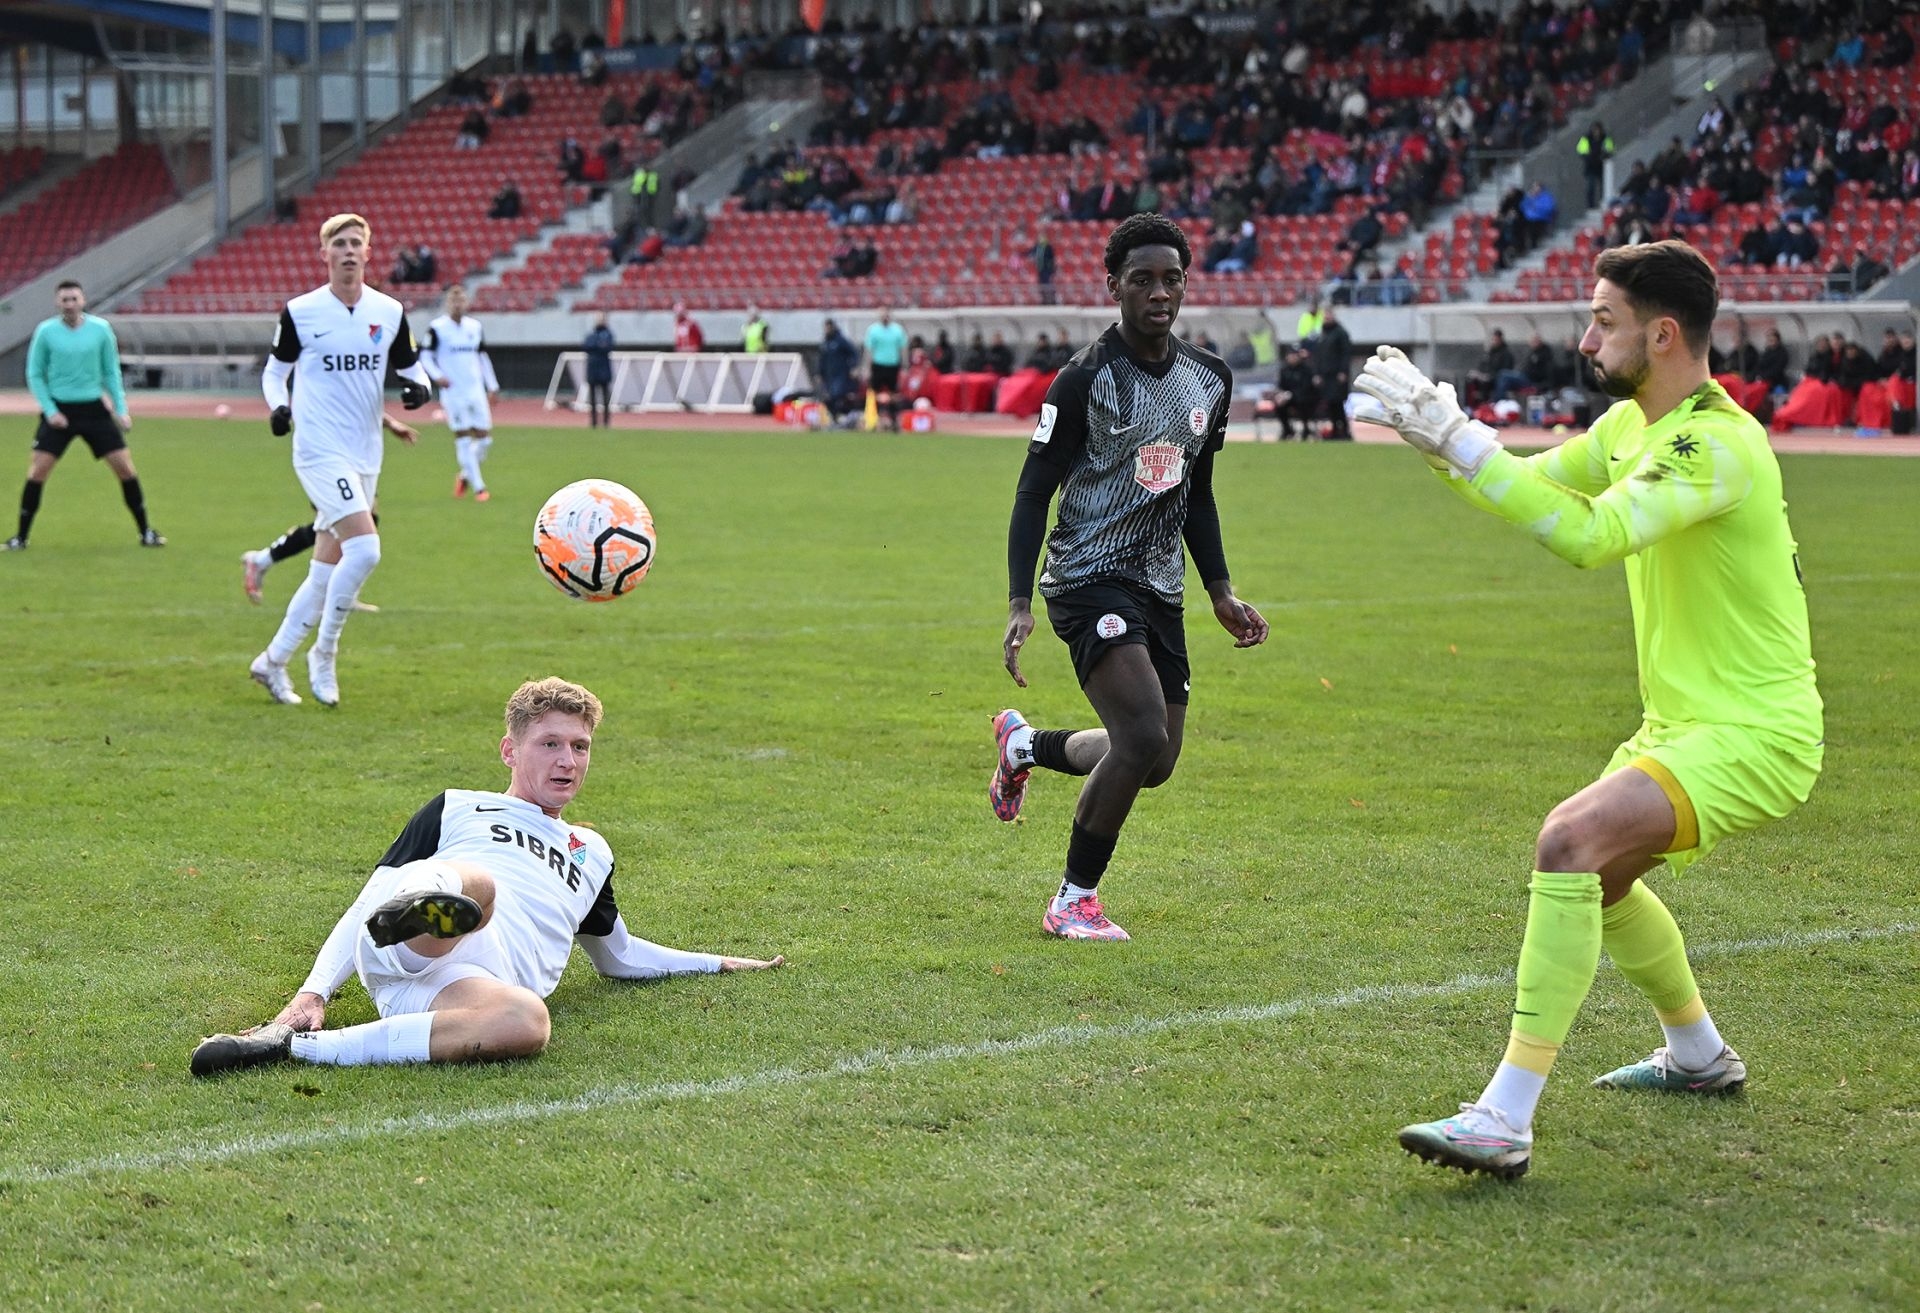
(1424, 413)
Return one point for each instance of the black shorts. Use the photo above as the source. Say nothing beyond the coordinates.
(1098, 616)
(884, 378)
(85, 419)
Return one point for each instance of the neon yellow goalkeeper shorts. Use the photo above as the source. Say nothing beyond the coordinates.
(1721, 779)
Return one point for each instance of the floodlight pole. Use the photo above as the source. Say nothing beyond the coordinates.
(310, 92)
(222, 200)
(269, 114)
(357, 60)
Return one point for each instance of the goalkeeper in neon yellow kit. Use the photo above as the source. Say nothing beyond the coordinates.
(1679, 483)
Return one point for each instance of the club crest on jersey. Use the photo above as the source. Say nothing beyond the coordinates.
(1158, 466)
(576, 851)
(1197, 421)
(373, 332)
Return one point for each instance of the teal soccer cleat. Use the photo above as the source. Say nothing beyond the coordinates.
(1725, 1075)
(1479, 1139)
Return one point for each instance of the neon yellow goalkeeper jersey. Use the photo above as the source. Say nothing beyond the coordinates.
(1693, 505)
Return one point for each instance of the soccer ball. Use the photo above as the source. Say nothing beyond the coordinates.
(594, 540)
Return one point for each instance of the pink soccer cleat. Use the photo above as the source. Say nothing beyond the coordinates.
(1081, 919)
(459, 486)
(1008, 787)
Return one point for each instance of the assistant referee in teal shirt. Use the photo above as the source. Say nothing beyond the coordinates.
(73, 364)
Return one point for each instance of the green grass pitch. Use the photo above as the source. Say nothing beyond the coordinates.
(934, 1106)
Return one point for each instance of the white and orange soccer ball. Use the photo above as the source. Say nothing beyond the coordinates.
(594, 540)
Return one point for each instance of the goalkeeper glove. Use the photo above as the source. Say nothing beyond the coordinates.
(414, 395)
(1425, 414)
(281, 421)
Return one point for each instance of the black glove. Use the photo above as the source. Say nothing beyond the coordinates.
(281, 421)
(413, 395)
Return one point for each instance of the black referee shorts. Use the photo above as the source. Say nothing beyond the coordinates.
(85, 419)
(1096, 617)
(884, 378)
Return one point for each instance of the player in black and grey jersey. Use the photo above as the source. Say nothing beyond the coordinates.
(1127, 438)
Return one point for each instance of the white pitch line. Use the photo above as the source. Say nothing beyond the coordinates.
(202, 1152)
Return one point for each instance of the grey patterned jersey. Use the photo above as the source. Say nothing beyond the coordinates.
(1126, 433)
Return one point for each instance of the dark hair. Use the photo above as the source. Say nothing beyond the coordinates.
(1666, 278)
(65, 283)
(1146, 230)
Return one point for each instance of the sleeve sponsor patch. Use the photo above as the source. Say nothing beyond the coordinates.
(1043, 431)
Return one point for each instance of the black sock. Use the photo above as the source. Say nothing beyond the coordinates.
(294, 541)
(1087, 857)
(136, 501)
(29, 506)
(1050, 750)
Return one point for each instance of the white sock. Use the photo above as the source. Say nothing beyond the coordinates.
(303, 613)
(1070, 893)
(1515, 1091)
(1020, 746)
(358, 556)
(394, 1040)
(463, 453)
(480, 446)
(1695, 1045)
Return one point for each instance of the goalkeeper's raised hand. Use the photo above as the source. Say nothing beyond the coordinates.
(1424, 413)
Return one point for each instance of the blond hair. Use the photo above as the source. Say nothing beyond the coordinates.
(339, 221)
(537, 697)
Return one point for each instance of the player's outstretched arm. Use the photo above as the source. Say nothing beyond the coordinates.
(752, 963)
(622, 955)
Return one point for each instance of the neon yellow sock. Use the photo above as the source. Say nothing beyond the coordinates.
(1559, 955)
(1644, 942)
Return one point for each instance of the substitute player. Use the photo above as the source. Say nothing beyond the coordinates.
(337, 343)
(457, 361)
(73, 368)
(467, 923)
(1679, 483)
(1127, 437)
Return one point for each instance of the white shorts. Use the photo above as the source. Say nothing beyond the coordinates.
(337, 490)
(402, 981)
(467, 411)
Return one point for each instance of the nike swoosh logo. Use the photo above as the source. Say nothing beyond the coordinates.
(1518, 1013)
(489, 809)
(1116, 430)
(318, 336)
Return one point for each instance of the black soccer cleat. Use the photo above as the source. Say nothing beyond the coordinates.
(272, 1042)
(152, 538)
(15, 544)
(441, 915)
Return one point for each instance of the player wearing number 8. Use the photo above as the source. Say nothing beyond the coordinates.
(335, 343)
(1680, 484)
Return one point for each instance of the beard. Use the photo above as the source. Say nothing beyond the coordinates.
(1625, 379)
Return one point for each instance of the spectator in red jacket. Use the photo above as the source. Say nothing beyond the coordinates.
(686, 333)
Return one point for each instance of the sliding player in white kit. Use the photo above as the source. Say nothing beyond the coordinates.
(469, 919)
(335, 343)
(456, 357)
